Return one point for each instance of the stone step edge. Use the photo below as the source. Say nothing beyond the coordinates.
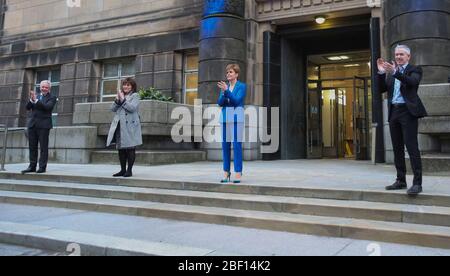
(419, 235)
(308, 192)
(316, 207)
(89, 244)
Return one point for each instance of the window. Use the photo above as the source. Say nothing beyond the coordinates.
(113, 74)
(190, 78)
(52, 75)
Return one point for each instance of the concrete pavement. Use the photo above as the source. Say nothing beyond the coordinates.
(207, 238)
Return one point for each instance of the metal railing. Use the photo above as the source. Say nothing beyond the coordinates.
(5, 144)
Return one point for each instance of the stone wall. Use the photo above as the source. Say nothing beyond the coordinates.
(67, 145)
(157, 120)
(42, 24)
(437, 125)
(161, 70)
(40, 34)
(434, 130)
(158, 62)
(155, 117)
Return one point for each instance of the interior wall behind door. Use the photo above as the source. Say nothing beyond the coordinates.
(293, 101)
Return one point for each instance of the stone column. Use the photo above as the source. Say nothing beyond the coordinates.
(423, 26)
(222, 41)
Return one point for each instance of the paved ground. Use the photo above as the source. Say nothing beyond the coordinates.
(226, 240)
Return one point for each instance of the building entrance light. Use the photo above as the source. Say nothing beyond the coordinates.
(320, 19)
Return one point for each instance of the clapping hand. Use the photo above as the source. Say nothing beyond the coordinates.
(384, 66)
(120, 95)
(32, 96)
(380, 64)
(222, 85)
(390, 67)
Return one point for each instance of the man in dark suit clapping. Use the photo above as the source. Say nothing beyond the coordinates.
(39, 125)
(401, 80)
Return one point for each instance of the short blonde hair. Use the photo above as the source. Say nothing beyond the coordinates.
(234, 67)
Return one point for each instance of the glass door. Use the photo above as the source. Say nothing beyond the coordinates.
(361, 119)
(315, 143)
(330, 126)
(342, 121)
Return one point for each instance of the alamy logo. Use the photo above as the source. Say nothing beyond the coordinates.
(245, 125)
(74, 249)
(374, 249)
(74, 3)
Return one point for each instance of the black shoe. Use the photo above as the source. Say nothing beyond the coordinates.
(415, 190)
(29, 170)
(128, 174)
(398, 185)
(121, 173)
(41, 170)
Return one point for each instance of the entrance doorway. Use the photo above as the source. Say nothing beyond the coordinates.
(302, 59)
(339, 106)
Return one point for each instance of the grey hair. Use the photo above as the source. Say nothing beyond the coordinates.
(47, 82)
(404, 48)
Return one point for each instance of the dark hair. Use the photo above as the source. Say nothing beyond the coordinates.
(131, 82)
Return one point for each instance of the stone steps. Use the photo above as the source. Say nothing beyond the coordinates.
(364, 214)
(433, 163)
(436, 125)
(150, 157)
(439, 216)
(377, 196)
(404, 233)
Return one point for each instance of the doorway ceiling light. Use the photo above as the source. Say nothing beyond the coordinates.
(320, 19)
(352, 65)
(338, 58)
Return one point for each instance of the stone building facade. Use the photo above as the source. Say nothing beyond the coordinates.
(181, 47)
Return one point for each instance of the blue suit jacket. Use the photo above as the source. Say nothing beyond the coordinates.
(232, 104)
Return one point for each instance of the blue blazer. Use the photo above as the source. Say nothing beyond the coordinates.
(233, 102)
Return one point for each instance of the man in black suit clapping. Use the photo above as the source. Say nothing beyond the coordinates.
(401, 81)
(39, 125)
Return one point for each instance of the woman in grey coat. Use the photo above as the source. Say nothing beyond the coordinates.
(125, 129)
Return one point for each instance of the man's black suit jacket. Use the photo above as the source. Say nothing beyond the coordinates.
(41, 112)
(410, 80)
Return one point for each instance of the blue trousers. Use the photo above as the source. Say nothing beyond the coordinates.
(232, 133)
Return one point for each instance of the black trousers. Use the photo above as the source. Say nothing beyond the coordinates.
(404, 131)
(38, 136)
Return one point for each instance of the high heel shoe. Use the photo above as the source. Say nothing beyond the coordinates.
(237, 180)
(227, 179)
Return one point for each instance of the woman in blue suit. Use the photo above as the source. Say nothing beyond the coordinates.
(232, 100)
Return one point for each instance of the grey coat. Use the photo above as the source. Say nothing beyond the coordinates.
(130, 124)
